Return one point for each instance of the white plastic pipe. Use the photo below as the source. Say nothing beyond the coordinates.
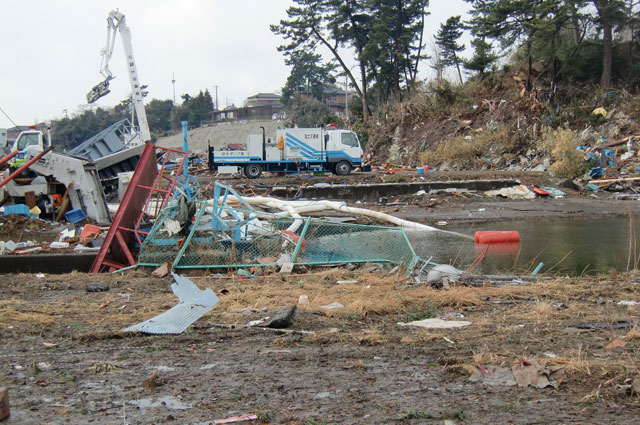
(294, 208)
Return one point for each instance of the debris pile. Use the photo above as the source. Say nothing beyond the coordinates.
(228, 232)
(34, 235)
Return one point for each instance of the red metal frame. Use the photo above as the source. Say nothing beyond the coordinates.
(8, 157)
(25, 165)
(125, 229)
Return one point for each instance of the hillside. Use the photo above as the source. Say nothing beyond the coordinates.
(495, 123)
(219, 135)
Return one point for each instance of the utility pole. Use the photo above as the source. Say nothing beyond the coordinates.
(173, 81)
(346, 97)
(217, 104)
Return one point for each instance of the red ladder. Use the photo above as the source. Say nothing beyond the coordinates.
(137, 205)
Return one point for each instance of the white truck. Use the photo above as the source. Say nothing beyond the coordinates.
(294, 150)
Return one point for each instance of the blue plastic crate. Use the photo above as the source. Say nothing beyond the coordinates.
(75, 215)
(21, 209)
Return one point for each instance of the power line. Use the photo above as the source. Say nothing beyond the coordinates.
(9, 118)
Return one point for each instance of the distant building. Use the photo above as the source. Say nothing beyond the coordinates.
(263, 99)
(261, 106)
(333, 97)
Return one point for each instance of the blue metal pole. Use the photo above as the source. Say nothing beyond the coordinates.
(185, 146)
(537, 269)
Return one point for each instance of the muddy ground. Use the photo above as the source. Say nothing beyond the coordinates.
(65, 360)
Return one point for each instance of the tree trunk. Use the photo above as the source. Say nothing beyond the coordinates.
(362, 93)
(414, 74)
(604, 11)
(365, 104)
(573, 11)
(455, 57)
(529, 85)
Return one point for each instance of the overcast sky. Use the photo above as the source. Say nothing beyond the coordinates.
(51, 51)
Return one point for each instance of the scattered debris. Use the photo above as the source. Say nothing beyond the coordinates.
(287, 267)
(332, 306)
(303, 300)
(616, 343)
(628, 303)
(193, 304)
(516, 192)
(153, 381)
(98, 287)
(281, 318)
(440, 272)
(278, 319)
(598, 326)
(161, 271)
(530, 373)
(493, 375)
(236, 419)
(435, 323)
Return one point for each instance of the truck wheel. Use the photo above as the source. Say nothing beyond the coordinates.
(253, 171)
(342, 168)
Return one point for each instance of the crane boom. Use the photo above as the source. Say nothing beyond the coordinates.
(116, 22)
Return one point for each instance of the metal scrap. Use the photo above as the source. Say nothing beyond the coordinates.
(194, 303)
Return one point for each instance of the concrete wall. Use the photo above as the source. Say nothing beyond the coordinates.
(220, 135)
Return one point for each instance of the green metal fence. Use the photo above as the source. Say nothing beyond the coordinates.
(231, 238)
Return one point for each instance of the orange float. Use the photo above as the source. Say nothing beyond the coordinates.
(497, 236)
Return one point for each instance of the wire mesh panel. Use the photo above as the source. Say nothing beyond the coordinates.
(243, 238)
(328, 242)
(160, 246)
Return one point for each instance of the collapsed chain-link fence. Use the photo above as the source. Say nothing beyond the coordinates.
(223, 237)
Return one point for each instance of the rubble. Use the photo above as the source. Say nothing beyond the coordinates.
(193, 304)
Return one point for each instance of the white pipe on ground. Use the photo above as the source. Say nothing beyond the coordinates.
(294, 208)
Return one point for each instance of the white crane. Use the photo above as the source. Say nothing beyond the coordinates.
(116, 22)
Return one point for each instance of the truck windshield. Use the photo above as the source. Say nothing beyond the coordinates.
(27, 140)
(349, 139)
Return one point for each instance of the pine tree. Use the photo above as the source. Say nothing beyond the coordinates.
(483, 56)
(307, 73)
(447, 39)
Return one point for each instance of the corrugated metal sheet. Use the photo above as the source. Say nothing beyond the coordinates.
(193, 304)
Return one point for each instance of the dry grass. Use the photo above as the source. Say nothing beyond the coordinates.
(561, 145)
(525, 324)
(633, 334)
(465, 150)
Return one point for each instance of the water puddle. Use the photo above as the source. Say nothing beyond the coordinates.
(168, 401)
(568, 246)
(162, 368)
(208, 366)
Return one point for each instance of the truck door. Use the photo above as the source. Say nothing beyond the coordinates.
(350, 145)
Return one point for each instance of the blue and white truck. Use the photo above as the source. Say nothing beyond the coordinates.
(294, 150)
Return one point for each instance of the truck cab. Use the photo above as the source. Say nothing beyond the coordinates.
(343, 151)
(29, 143)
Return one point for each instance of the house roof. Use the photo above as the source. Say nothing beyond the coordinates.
(264, 96)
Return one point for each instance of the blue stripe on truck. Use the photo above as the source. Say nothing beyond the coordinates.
(306, 150)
